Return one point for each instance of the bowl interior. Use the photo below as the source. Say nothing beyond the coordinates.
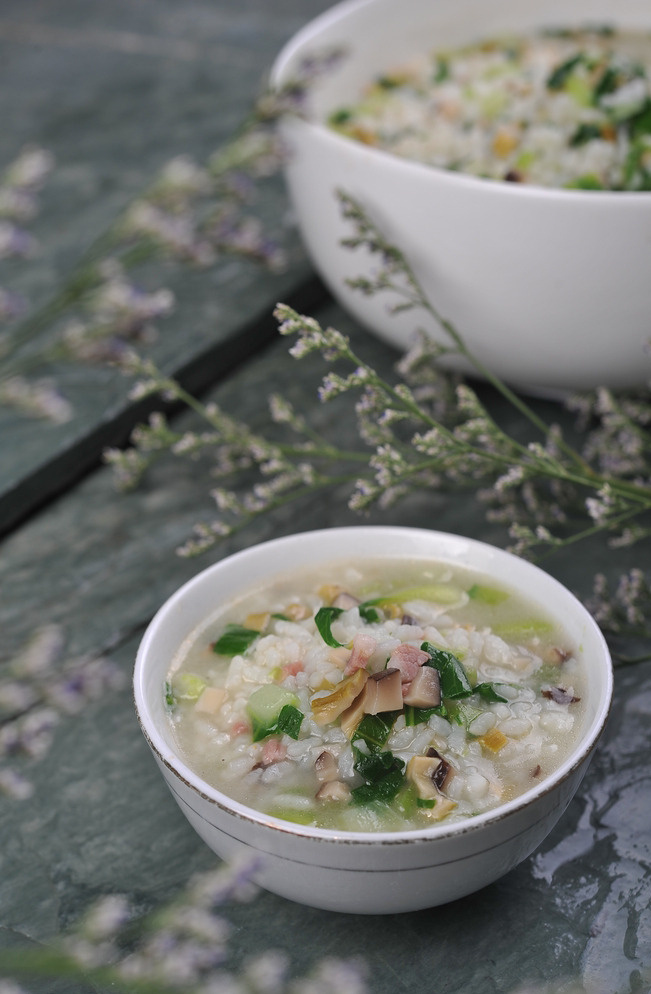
(375, 35)
(181, 615)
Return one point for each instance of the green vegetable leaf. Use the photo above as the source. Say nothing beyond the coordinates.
(235, 640)
(585, 133)
(290, 720)
(374, 729)
(454, 680)
(418, 716)
(323, 620)
(488, 692)
(384, 776)
(560, 75)
(368, 613)
(425, 802)
(170, 699)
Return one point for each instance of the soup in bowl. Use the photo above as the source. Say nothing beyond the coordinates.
(385, 718)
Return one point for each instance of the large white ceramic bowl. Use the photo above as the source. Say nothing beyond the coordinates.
(549, 288)
(353, 871)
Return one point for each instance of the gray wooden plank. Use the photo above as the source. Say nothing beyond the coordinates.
(101, 819)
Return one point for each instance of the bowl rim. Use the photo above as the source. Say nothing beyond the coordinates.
(339, 12)
(176, 766)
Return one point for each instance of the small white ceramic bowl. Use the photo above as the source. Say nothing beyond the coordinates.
(549, 288)
(359, 872)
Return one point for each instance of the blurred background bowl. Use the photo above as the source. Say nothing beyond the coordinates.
(362, 872)
(551, 289)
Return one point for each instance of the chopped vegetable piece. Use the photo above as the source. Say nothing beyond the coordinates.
(187, 686)
(323, 620)
(454, 680)
(418, 716)
(493, 740)
(235, 640)
(383, 773)
(290, 720)
(487, 595)
(170, 699)
(368, 613)
(326, 767)
(299, 816)
(375, 729)
(522, 631)
(488, 692)
(439, 593)
(333, 790)
(265, 706)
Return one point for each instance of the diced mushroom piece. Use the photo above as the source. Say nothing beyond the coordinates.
(326, 767)
(211, 700)
(560, 695)
(345, 601)
(326, 709)
(424, 691)
(383, 692)
(333, 790)
(421, 771)
(443, 772)
(556, 656)
(352, 716)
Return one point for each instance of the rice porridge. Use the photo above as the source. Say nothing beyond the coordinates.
(561, 108)
(384, 696)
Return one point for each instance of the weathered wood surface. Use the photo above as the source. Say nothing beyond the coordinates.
(98, 564)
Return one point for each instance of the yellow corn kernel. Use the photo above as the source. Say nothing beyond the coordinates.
(504, 142)
(329, 592)
(493, 740)
(257, 622)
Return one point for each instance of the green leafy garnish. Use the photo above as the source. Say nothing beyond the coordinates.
(418, 716)
(170, 699)
(488, 692)
(454, 680)
(290, 720)
(235, 640)
(374, 729)
(425, 802)
(585, 133)
(323, 620)
(560, 75)
(368, 613)
(383, 773)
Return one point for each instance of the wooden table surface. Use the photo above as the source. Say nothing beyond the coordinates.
(115, 91)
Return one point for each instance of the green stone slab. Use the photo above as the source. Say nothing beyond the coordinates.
(102, 820)
(115, 92)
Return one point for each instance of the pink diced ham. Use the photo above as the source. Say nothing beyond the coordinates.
(363, 648)
(273, 751)
(408, 659)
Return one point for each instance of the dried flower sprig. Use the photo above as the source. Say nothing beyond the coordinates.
(181, 948)
(426, 431)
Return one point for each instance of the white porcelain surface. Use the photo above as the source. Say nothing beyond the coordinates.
(550, 288)
(352, 871)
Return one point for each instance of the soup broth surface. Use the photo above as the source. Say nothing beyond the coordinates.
(381, 696)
